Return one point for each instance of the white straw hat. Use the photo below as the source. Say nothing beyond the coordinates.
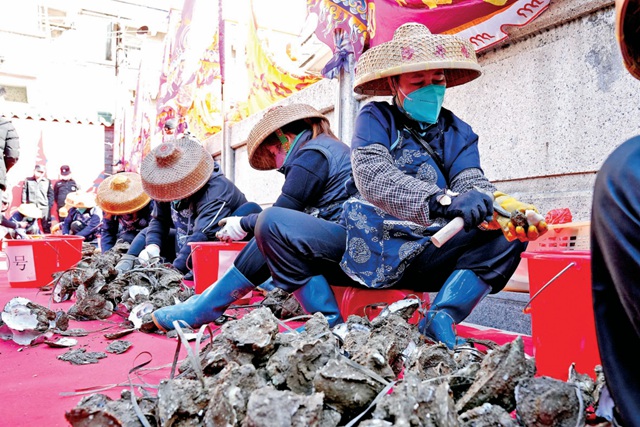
(30, 210)
(121, 194)
(414, 48)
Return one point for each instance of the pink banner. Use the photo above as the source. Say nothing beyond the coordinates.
(352, 26)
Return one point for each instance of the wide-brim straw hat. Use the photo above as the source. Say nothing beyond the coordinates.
(30, 210)
(121, 194)
(175, 170)
(82, 200)
(414, 48)
(628, 34)
(274, 119)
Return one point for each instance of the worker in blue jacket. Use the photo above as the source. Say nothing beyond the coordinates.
(83, 218)
(297, 141)
(191, 196)
(416, 167)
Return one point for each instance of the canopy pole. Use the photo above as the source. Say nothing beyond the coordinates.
(227, 153)
(346, 104)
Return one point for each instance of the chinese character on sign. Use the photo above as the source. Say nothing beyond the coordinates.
(20, 262)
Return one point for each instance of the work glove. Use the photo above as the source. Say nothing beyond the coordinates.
(231, 229)
(525, 223)
(126, 263)
(149, 253)
(21, 233)
(473, 206)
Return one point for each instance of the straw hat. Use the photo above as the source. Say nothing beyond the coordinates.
(121, 194)
(82, 200)
(175, 170)
(627, 29)
(414, 48)
(272, 120)
(30, 210)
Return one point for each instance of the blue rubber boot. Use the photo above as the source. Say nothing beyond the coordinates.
(209, 305)
(459, 295)
(317, 296)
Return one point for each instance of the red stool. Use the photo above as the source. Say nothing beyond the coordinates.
(370, 302)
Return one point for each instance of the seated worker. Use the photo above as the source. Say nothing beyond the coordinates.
(191, 195)
(615, 259)
(298, 142)
(415, 167)
(63, 212)
(26, 220)
(126, 209)
(83, 218)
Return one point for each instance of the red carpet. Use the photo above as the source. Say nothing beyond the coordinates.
(33, 378)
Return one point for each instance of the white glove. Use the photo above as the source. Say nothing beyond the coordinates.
(21, 233)
(150, 252)
(232, 229)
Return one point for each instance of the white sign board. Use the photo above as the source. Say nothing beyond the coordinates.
(21, 263)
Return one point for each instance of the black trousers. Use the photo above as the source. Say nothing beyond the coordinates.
(298, 246)
(615, 269)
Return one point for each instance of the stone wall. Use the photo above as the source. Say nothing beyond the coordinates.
(552, 103)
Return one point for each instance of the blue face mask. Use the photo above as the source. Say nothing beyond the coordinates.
(81, 210)
(424, 104)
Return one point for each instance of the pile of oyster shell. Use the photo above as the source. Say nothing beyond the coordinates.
(365, 373)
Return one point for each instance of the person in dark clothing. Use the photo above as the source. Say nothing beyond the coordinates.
(415, 168)
(126, 209)
(65, 185)
(37, 189)
(26, 220)
(83, 218)
(10, 147)
(9, 228)
(297, 141)
(191, 196)
(615, 258)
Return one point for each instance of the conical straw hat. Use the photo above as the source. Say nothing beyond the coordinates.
(30, 210)
(628, 34)
(82, 199)
(121, 194)
(175, 170)
(414, 48)
(274, 119)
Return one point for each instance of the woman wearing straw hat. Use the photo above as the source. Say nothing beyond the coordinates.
(83, 219)
(615, 260)
(297, 141)
(191, 196)
(26, 220)
(126, 209)
(415, 167)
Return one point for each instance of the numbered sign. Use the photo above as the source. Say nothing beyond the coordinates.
(21, 263)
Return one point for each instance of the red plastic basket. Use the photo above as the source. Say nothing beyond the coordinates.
(561, 307)
(211, 260)
(32, 262)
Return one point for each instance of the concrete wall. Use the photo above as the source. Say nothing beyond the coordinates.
(551, 104)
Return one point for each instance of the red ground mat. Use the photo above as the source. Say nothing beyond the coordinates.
(33, 378)
(35, 384)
